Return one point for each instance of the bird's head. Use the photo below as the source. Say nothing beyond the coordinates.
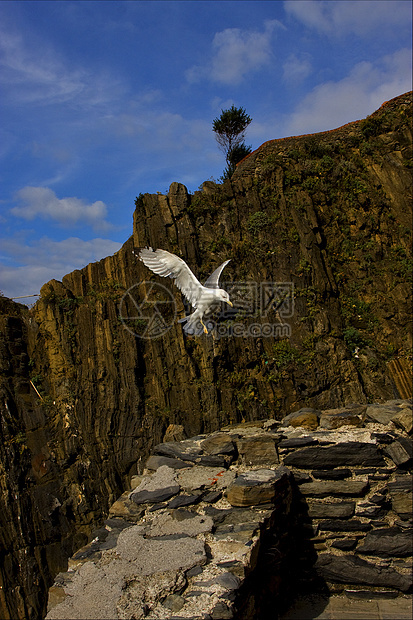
(225, 297)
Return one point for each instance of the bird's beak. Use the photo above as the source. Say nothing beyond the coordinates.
(228, 302)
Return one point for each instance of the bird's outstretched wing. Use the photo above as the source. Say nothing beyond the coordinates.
(213, 279)
(166, 264)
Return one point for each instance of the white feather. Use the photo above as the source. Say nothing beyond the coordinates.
(203, 298)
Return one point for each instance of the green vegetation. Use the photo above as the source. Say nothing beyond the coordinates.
(220, 244)
(234, 156)
(258, 221)
(285, 354)
(353, 338)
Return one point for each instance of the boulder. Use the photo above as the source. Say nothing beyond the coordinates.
(174, 602)
(306, 417)
(257, 487)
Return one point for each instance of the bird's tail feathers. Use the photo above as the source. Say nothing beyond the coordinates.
(192, 325)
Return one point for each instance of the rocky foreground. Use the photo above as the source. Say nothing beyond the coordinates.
(228, 525)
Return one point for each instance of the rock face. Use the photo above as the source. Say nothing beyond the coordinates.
(237, 542)
(326, 218)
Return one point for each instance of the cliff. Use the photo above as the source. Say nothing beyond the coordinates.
(319, 232)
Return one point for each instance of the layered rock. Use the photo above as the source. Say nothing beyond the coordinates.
(328, 215)
(236, 540)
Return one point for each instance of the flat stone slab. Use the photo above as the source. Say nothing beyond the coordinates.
(187, 450)
(108, 591)
(342, 525)
(401, 496)
(331, 474)
(166, 524)
(351, 569)
(382, 413)
(91, 594)
(156, 488)
(333, 418)
(298, 442)
(156, 461)
(199, 477)
(347, 606)
(387, 543)
(185, 500)
(400, 451)
(218, 443)
(338, 455)
(259, 450)
(404, 419)
(345, 544)
(369, 510)
(150, 556)
(326, 488)
(191, 451)
(338, 510)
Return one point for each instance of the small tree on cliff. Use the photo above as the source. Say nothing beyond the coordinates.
(229, 129)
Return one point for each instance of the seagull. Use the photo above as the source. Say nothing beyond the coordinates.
(205, 299)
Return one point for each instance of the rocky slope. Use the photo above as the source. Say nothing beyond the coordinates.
(325, 217)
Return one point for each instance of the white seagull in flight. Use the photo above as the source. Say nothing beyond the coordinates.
(205, 299)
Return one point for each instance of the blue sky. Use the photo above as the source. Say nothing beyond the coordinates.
(104, 100)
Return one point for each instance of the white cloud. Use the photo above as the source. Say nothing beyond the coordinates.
(296, 68)
(32, 73)
(36, 263)
(379, 17)
(367, 86)
(42, 202)
(235, 53)
(159, 131)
